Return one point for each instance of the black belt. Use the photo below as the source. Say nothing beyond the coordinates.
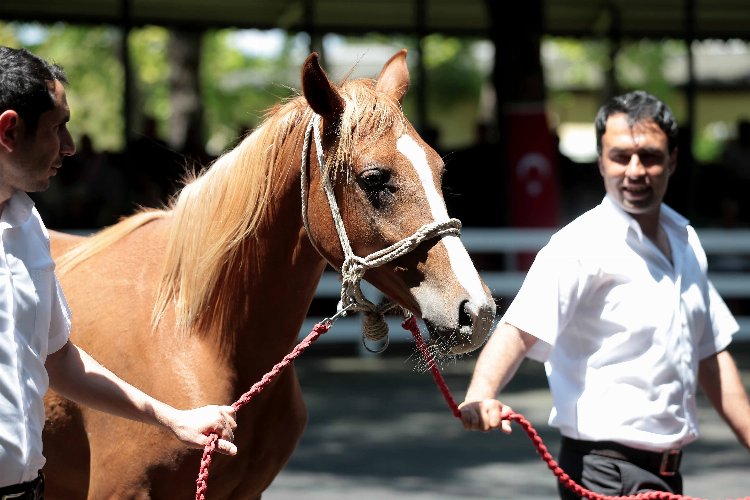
(664, 463)
(32, 490)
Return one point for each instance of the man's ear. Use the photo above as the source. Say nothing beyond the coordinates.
(673, 161)
(11, 127)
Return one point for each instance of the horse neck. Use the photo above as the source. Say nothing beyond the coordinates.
(275, 290)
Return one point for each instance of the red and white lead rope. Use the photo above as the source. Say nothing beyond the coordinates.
(411, 324)
(317, 331)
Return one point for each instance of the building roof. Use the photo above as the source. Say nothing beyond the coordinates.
(577, 18)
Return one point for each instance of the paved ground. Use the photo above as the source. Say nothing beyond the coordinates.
(380, 429)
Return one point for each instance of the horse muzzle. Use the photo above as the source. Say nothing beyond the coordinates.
(468, 332)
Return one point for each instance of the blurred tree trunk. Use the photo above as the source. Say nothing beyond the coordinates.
(186, 117)
(528, 157)
(516, 30)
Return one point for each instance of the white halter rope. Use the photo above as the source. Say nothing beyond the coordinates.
(353, 269)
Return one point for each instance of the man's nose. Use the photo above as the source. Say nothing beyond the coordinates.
(635, 167)
(67, 145)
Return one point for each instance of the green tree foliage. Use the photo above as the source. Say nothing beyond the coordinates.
(453, 71)
(454, 80)
(150, 68)
(238, 88)
(454, 85)
(641, 65)
(8, 35)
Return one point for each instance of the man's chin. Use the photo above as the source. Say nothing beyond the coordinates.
(39, 187)
(637, 206)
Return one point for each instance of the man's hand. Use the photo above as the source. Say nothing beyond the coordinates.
(193, 427)
(485, 415)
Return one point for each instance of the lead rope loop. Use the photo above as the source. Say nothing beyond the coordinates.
(318, 330)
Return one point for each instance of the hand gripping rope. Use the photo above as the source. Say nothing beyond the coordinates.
(411, 325)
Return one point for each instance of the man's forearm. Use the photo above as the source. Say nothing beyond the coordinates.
(77, 376)
(498, 361)
(720, 380)
(80, 378)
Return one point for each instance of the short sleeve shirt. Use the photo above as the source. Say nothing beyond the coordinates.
(34, 321)
(621, 329)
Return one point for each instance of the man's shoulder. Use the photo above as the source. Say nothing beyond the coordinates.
(591, 233)
(28, 237)
(586, 224)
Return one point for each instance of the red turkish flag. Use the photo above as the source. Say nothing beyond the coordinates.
(533, 170)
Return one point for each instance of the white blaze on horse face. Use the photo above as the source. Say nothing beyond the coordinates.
(461, 263)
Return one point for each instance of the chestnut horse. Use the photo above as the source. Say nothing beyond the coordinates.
(194, 303)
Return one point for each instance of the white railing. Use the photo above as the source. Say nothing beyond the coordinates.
(510, 242)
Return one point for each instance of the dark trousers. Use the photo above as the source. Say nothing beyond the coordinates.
(610, 476)
(33, 490)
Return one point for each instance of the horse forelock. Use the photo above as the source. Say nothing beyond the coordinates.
(368, 115)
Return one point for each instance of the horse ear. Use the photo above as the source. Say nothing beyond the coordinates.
(394, 77)
(321, 95)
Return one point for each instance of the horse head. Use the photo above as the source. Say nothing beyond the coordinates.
(384, 193)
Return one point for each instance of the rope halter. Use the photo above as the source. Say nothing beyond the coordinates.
(352, 270)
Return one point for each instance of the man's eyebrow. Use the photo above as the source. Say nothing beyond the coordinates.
(638, 150)
(650, 150)
(617, 151)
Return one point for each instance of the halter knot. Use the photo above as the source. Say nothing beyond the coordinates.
(353, 269)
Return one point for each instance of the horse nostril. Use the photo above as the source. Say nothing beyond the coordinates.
(464, 317)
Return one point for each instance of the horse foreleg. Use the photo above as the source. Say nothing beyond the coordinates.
(66, 449)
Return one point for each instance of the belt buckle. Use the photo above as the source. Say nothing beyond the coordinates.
(670, 462)
(11, 496)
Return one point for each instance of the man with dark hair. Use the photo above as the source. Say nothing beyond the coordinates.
(24, 84)
(35, 350)
(619, 308)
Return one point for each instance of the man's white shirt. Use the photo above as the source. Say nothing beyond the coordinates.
(621, 329)
(34, 322)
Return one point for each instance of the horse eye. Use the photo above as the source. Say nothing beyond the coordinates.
(377, 186)
(374, 179)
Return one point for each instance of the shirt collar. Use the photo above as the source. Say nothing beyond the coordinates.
(620, 220)
(671, 221)
(17, 211)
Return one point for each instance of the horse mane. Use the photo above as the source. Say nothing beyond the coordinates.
(217, 210)
(214, 214)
